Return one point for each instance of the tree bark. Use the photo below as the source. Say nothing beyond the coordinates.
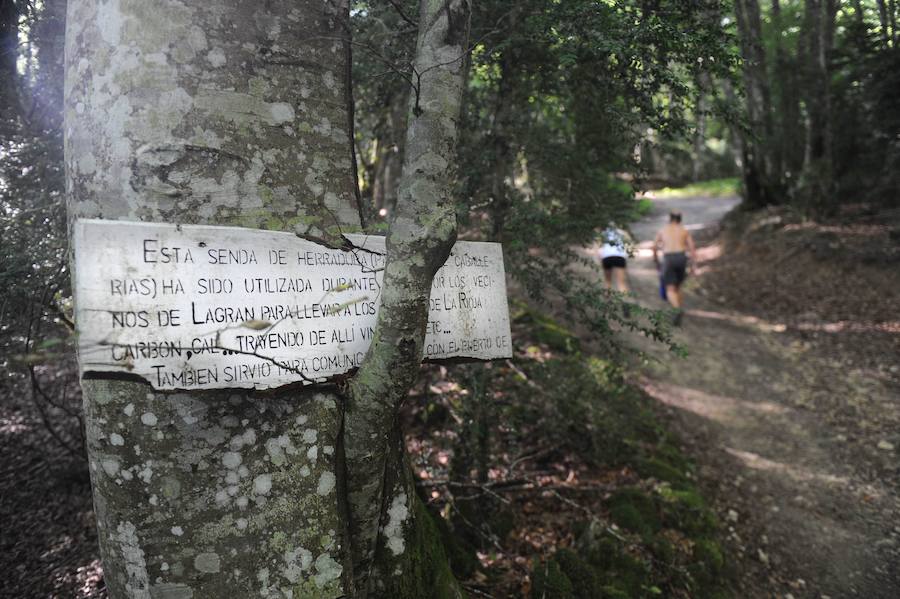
(817, 184)
(892, 17)
(858, 13)
(762, 181)
(389, 155)
(394, 556)
(884, 21)
(227, 113)
(9, 54)
(700, 132)
(502, 196)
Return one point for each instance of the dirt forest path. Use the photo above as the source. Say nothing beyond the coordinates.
(806, 513)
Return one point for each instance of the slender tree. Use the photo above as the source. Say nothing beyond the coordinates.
(884, 20)
(892, 18)
(387, 558)
(9, 41)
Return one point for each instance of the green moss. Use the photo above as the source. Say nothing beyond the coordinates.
(629, 517)
(686, 510)
(278, 541)
(588, 408)
(673, 456)
(601, 553)
(586, 582)
(635, 511)
(663, 550)
(619, 573)
(258, 86)
(549, 582)
(709, 553)
(708, 565)
(502, 521)
(547, 331)
(627, 574)
(660, 470)
(611, 592)
(310, 590)
(463, 560)
(424, 565)
(556, 337)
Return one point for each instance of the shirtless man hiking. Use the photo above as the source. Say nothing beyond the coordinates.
(676, 243)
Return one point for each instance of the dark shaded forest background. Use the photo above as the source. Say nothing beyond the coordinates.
(571, 108)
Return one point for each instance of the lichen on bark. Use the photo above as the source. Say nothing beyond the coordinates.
(225, 113)
(421, 235)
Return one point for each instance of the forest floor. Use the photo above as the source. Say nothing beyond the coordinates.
(787, 404)
(789, 399)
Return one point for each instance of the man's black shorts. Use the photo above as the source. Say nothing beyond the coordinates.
(674, 268)
(613, 262)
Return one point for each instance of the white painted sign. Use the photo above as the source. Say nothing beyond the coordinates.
(205, 307)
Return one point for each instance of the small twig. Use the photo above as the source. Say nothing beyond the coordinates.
(571, 503)
(475, 590)
(531, 456)
(402, 14)
(45, 418)
(524, 377)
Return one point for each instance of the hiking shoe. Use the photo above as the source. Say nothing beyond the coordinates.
(676, 320)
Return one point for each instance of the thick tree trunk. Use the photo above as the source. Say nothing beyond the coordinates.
(395, 555)
(789, 128)
(762, 181)
(817, 185)
(229, 113)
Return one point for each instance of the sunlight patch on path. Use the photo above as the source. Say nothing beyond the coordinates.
(759, 323)
(758, 462)
(707, 405)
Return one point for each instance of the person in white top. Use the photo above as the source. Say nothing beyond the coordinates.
(614, 258)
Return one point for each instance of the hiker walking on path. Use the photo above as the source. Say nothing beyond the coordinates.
(676, 243)
(613, 257)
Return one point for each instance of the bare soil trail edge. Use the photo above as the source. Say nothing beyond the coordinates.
(804, 515)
